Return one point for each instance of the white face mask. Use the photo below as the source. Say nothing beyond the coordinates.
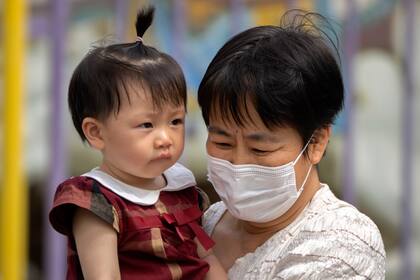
(255, 193)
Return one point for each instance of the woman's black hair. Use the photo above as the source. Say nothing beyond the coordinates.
(289, 73)
(106, 73)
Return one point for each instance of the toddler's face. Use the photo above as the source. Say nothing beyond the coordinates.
(141, 141)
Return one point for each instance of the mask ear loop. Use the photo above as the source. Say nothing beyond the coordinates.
(310, 167)
(303, 150)
(304, 181)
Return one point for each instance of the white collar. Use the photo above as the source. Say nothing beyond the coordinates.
(177, 177)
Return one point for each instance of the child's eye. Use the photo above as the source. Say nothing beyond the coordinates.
(145, 125)
(178, 121)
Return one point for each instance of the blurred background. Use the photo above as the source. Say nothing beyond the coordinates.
(373, 160)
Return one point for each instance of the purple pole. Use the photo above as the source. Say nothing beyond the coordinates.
(407, 140)
(351, 36)
(38, 26)
(180, 28)
(236, 8)
(54, 243)
(121, 8)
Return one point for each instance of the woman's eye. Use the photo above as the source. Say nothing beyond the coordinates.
(223, 145)
(259, 152)
(177, 121)
(146, 125)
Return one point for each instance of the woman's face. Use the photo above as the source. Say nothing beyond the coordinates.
(254, 143)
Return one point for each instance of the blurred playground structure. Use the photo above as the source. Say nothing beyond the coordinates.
(373, 160)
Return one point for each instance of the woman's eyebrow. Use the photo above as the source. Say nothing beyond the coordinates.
(261, 137)
(218, 130)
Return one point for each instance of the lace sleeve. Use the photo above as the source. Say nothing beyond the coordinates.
(212, 216)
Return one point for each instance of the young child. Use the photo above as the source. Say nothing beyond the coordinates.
(138, 215)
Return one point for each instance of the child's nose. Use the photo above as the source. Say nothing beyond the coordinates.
(163, 139)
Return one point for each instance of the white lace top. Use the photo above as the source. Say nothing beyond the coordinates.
(330, 239)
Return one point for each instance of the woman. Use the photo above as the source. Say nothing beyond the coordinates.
(269, 98)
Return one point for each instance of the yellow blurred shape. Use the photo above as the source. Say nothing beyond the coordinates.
(13, 191)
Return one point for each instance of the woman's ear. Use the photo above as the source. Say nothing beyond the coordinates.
(318, 144)
(92, 130)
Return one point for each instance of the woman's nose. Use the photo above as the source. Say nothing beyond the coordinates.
(240, 157)
(163, 139)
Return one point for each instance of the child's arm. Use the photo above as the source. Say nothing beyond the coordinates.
(96, 243)
(216, 270)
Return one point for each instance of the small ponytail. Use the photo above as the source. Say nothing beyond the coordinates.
(144, 20)
(108, 74)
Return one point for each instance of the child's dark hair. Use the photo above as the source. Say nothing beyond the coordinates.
(106, 73)
(288, 72)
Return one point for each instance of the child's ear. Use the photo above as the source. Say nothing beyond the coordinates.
(318, 144)
(92, 130)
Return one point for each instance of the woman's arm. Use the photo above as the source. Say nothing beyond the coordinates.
(96, 243)
(216, 270)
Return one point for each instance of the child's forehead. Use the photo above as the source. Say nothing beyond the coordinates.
(137, 94)
(135, 90)
(141, 99)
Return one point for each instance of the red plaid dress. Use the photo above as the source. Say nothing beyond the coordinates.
(154, 241)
